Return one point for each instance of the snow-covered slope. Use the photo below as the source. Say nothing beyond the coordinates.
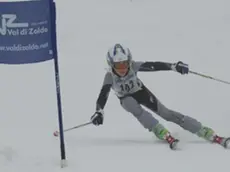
(196, 32)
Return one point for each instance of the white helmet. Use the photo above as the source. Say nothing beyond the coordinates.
(118, 53)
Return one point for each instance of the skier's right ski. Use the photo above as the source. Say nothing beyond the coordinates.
(173, 143)
(223, 141)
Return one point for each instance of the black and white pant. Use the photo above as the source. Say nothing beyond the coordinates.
(133, 104)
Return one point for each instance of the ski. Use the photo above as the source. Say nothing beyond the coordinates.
(225, 142)
(173, 143)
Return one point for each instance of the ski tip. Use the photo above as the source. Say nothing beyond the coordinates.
(227, 143)
(174, 144)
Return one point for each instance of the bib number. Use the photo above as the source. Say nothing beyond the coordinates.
(127, 86)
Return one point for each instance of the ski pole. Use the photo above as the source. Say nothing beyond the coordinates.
(56, 133)
(209, 77)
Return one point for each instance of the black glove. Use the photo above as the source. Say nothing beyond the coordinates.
(180, 67)
(97, 118)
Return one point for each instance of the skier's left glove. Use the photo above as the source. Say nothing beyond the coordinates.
(180, 67)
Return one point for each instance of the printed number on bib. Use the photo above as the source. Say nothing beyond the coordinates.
(127, 86)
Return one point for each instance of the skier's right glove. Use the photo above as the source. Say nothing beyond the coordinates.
(98, 117)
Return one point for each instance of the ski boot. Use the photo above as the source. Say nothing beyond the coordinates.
(209, 135)
(163, 134)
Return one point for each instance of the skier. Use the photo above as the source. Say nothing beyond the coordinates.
(122, 78)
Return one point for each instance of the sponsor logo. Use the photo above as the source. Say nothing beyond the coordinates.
(11, 28)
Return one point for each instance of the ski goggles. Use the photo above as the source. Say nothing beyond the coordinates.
(121, 65)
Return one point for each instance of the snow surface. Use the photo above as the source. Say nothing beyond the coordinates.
(196, 32)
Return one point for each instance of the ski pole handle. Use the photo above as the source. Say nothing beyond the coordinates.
(209, 77)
